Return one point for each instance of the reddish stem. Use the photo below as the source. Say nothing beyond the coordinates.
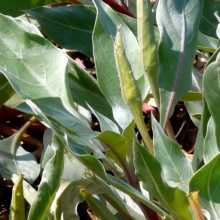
(114, 5)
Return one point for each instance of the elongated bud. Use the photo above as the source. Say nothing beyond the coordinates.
(17, 210)
(129, 89)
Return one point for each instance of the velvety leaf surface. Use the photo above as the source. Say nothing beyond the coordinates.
(103, 40)
(15, 7)
(70, 27)
(149, 173)
(209, 22)
(206, 181)
(175, 167)
(178, 22)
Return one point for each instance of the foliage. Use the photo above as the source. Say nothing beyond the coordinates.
(121, 170)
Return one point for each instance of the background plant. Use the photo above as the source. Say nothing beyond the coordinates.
(118, 174)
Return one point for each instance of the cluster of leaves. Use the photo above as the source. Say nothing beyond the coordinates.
(151, 56)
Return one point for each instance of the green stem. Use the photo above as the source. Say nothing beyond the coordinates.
(21, 132)
(148, 47)
(139, 120)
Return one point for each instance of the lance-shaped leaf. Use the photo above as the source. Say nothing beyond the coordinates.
(50, 181)
(206, 181)
(97, 168)
(147, 44)
(178, 23)
(104, 33)
(68, 197)
(177, 170)
(149, 173)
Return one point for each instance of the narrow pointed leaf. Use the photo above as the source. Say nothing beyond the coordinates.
(149, 173)
(178, 23)
(97, 168)
(107, 21)
(147, 44)
(177, 170)
(49, 183)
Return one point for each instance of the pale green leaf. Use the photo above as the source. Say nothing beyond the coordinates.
(50, 181)
(178, 23)
(211, 148)
(206, 181)
(176, 168)
(22, 162)
(149, 173)
(211, 92)
(103, 39)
